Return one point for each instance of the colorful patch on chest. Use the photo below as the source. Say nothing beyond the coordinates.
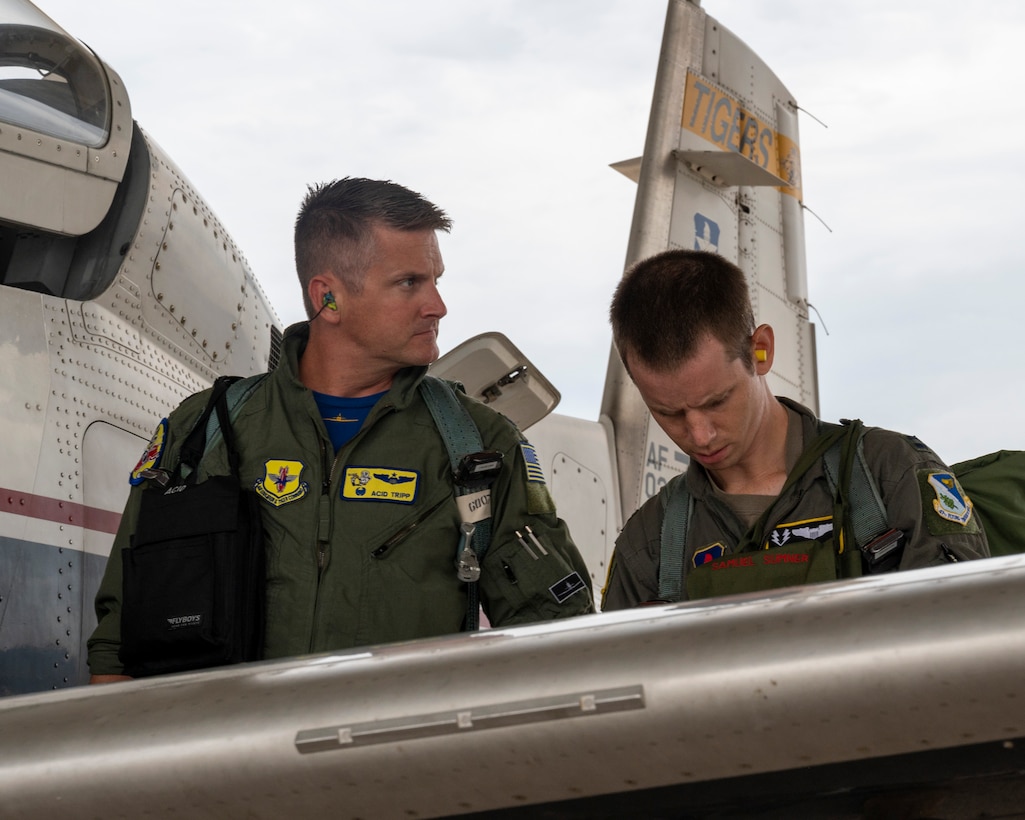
(282, 482)
(380, 484)
(706, 555)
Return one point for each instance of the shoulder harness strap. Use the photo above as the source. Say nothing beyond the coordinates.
(462, 440)
(677, 505)
(866, 508)
(207, 432)
(238, 394)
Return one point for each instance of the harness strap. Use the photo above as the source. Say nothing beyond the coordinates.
(677, 506)
(866, 508)
(238, 393)
(197, 442)
(461, 438)
(231, 392)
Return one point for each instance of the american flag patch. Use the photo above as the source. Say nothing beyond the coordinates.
(534, 471)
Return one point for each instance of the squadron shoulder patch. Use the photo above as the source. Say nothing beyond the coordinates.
(945, 505)
(380, 484)
(282, 481)
(151, 455)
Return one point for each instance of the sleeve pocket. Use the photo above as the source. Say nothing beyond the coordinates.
(527, 581)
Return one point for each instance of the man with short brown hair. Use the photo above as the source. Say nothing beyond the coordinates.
(771, 497)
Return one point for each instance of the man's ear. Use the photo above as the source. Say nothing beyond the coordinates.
(325, 295)
(763, 344)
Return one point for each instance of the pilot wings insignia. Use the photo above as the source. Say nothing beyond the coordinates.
(392, 478)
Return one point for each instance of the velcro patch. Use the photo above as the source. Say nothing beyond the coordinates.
(534, 471)
(570, 585)
(946, 507)
(474, 507)
(918, 444)
(812, 529)
(281, 482)
(151, 455)
(706, 555)
(380, 484)
(950, 502)
(539, 500)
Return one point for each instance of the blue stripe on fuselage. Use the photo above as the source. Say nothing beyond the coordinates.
(46, 615)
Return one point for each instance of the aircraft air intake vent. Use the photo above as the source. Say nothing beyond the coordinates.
(275, 347)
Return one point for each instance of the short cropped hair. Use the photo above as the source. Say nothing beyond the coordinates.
(334, 228)
(666, 304)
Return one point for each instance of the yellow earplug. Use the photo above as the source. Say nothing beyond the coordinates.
(761, 355)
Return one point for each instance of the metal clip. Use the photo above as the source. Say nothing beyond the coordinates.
(467, 566)
(160, 476)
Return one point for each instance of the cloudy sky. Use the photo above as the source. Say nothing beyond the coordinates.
(507, 113)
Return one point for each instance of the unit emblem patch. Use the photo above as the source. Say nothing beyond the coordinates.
(951, 502)
(282, 482)
(380, 484)
(151, 455)
(706, 555)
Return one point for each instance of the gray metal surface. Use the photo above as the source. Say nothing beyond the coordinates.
(843, 673)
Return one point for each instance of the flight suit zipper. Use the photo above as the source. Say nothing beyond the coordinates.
(324, 513)
(327, 498)
(401, 535)
(327, 495)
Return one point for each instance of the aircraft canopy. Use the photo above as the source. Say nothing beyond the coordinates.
(49, 82)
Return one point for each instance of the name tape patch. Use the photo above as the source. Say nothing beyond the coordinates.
(474, 507)
(380, 484)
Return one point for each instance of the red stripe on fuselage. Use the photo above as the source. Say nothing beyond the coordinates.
(62, 512)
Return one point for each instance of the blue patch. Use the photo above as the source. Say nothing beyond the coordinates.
(570, 585)
(706, 555)
(706, 234)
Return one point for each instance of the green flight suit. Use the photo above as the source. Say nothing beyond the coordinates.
(347, 568)
(906, 473)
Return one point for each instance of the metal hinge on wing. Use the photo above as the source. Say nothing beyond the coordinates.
(516, 713)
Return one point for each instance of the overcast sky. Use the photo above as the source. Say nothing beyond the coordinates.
(507, 113)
